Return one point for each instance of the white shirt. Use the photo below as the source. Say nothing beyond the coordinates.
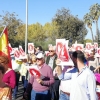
(65, 86)
(66, 79)
(83, 86)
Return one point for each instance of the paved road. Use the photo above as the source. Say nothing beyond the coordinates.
(20, 92)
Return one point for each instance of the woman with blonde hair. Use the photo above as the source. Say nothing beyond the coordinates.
(8, 79)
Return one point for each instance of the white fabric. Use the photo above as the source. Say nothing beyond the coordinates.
(15, 66)
(78, 92)
(94, 63)
(40, 55)
(23, 70)
(84, 86)
(65, 86)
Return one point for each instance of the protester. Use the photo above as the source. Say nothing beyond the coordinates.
(2, 71)
(40, 85)
(97, 68)
(31, 65)
(16, 66)
(51, 61)
(23, 73)
(93, 61)
(84, 84)
(64, 72)
(8, 79)
(97, 75)
(38, 49)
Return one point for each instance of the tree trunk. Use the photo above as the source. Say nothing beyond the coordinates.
(97, 31)
(92, 35)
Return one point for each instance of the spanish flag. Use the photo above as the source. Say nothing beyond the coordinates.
(4, 45)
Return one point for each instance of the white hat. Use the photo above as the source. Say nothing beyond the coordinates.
(40, 55)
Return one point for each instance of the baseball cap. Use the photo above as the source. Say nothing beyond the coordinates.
(40, 55)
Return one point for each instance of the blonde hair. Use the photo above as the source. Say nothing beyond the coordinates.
(34, 58)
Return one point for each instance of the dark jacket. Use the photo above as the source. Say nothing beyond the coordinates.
(54, 62)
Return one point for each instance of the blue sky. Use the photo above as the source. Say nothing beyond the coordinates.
(43, 11)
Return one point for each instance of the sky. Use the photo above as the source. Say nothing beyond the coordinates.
(42, 11)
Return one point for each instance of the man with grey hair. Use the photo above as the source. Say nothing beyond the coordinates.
(51, 61)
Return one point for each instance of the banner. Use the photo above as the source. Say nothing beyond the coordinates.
(30, 47)
(79, 46)
(34, 71)
(88, 46)
(95, 45)
(63, 53)
(4, 48)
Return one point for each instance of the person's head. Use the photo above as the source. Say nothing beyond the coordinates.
(78, 56)
(24, 60)
(93, 51)
(52, 50)
(39, 48)
(74, 57)
(33, 59)
(4, 61)
(81, 58)
(91, 54)
(40, 59)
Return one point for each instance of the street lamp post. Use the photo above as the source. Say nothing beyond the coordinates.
(26, 26)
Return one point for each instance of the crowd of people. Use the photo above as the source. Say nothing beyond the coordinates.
(56, 82)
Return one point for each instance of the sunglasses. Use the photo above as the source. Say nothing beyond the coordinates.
(51, 51)
(39, 59)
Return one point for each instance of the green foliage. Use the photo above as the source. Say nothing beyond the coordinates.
(51, 31)
(36, 33)
(87, 41)
(91, 17)
(1, 29)
(95, 11)
(69, 27)
(11, 21)
(41, 35)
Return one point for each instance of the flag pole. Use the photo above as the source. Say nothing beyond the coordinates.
(26, 26)
(3, 30)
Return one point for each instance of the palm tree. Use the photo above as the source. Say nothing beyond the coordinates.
(95, 14)
(88, 22)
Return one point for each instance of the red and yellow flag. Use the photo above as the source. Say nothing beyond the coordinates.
(4, 48)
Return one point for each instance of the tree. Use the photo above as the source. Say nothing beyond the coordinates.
(20, 36)
(69, 26)
(36, 33)
(88, 22)
(95, 14)
(51, 31)
(11, 21)
(87, 41)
